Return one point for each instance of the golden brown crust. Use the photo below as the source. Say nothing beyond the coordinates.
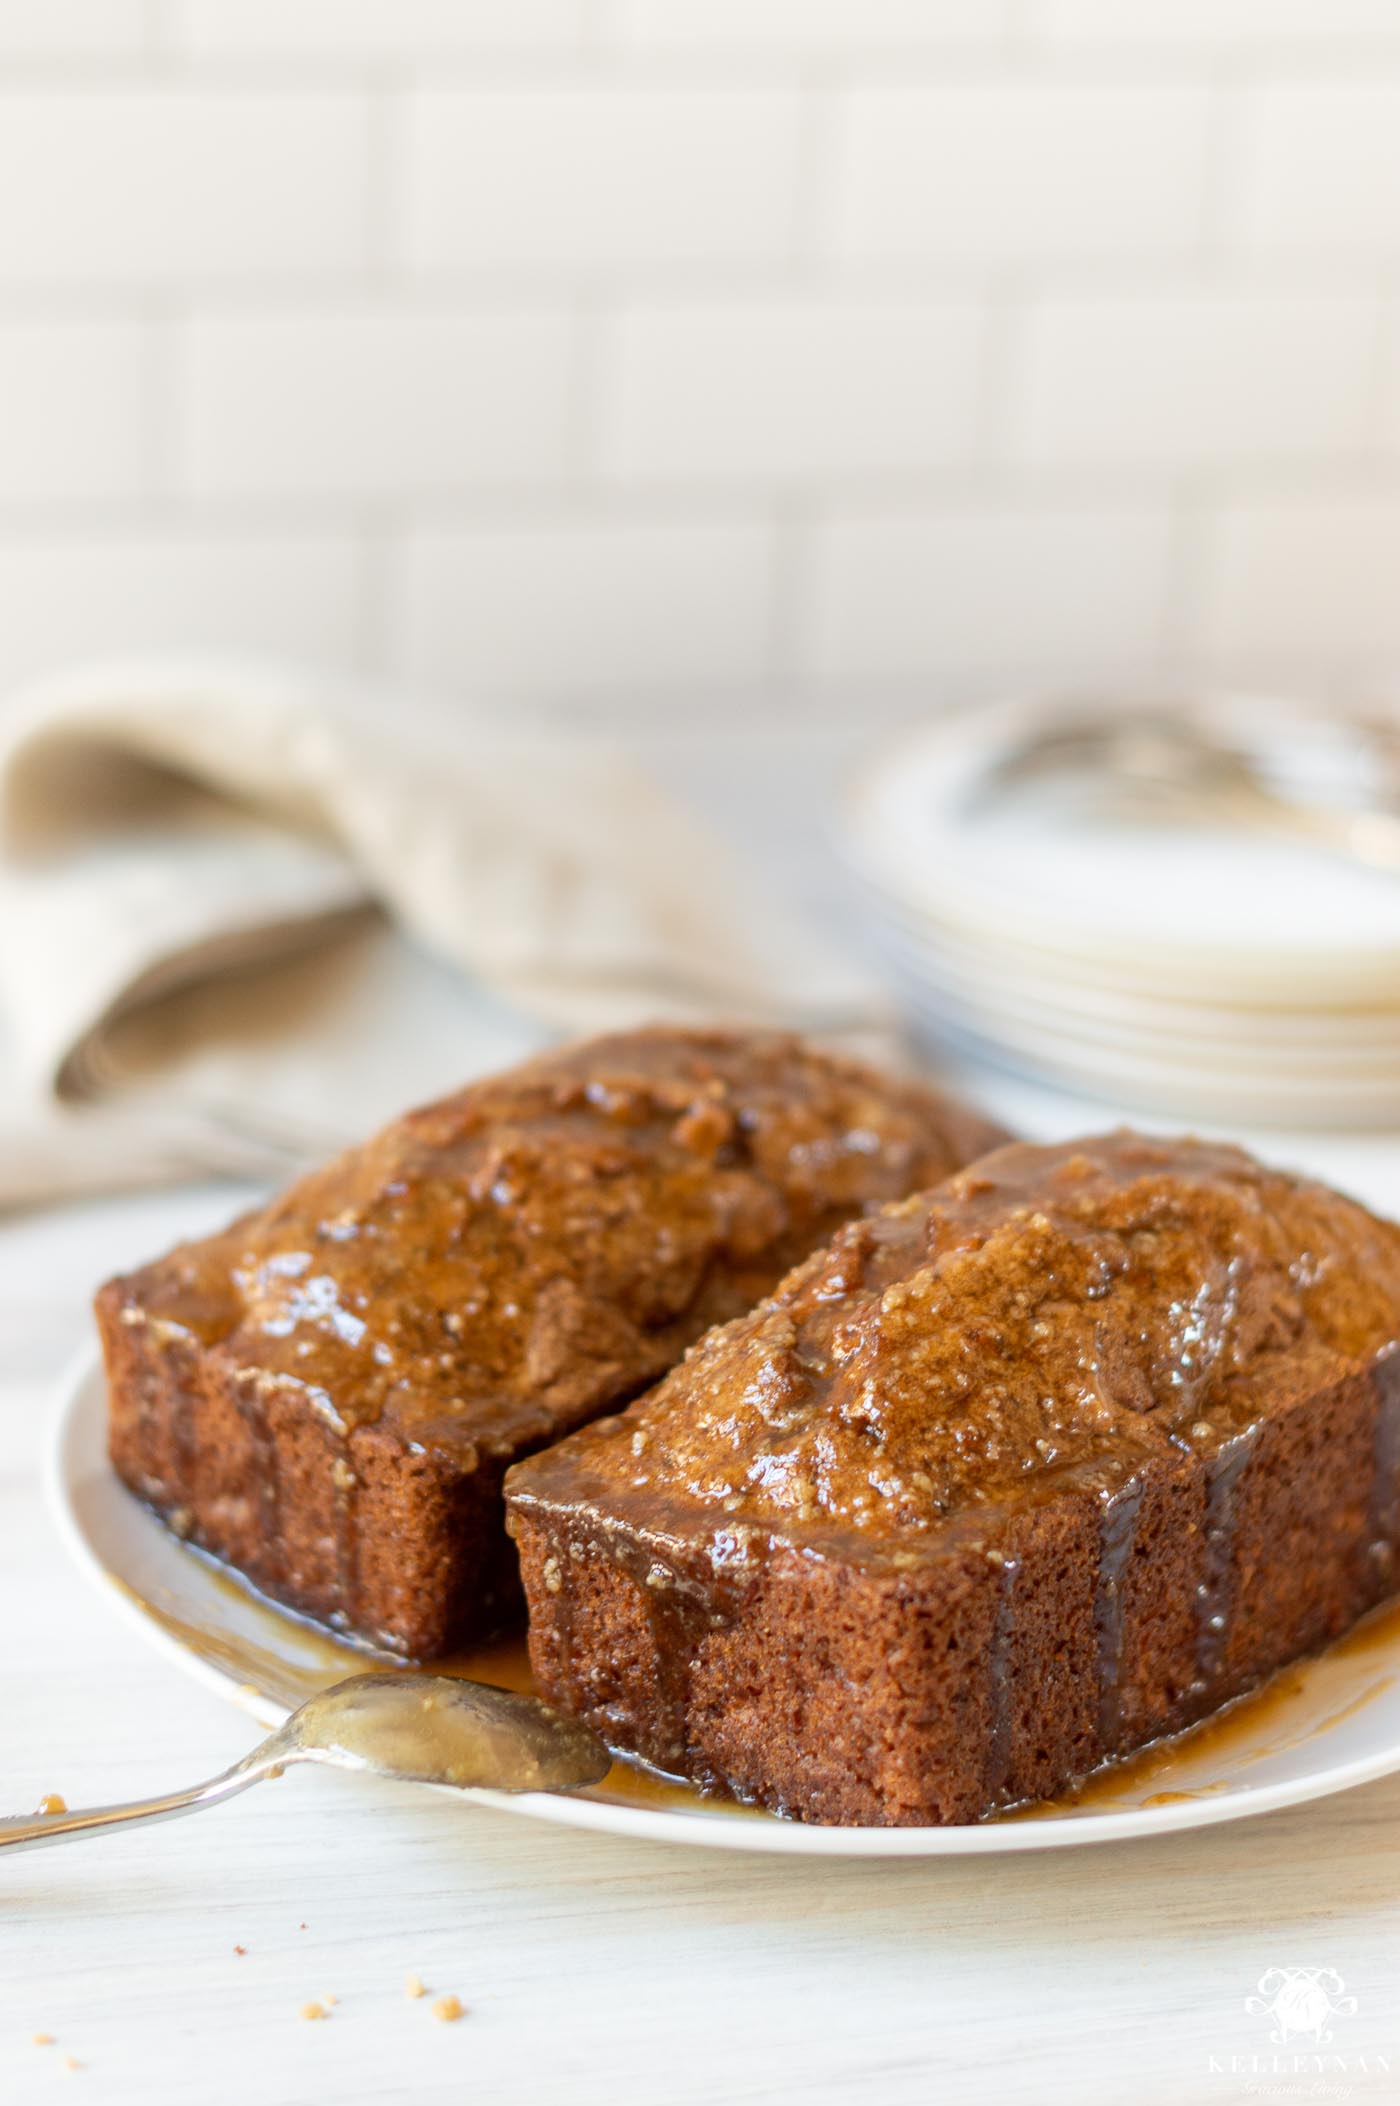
(1074, 1447)
(328, 1392)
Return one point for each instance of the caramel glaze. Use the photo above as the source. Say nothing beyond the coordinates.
(1051, 1318)
(497, 1267)
(444, 1730)
(1255, 1724)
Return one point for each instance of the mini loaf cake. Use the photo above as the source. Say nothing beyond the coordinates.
(1008, 1480)
(328, 1393)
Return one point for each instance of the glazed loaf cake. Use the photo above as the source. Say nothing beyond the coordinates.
(1008, 1480)
(327, 1394)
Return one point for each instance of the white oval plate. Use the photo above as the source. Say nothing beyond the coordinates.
(1330, 1724)
(1250, 914)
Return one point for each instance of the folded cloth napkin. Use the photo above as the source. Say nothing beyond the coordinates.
(246, 912)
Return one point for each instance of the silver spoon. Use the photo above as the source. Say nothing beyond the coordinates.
(431, 1729)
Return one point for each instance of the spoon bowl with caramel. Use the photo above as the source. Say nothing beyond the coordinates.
(423, 1729)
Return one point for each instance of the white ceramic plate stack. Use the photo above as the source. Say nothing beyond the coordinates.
(1203, 973)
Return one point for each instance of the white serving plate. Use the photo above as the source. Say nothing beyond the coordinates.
(1036, 991)
(1217, 1097)
(1218, 976)
(1251, 918)
(1332, 1723)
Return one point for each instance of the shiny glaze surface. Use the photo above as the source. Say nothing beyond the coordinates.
(502, 1264)
(1051, 1315)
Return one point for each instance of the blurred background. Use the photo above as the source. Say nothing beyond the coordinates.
(732, 384)
(640, 363)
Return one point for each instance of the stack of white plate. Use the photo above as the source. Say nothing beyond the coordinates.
(1180, 966)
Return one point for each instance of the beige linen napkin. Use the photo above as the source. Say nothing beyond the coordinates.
(246, 912)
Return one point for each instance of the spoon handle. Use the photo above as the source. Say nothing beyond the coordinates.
(33, 1834)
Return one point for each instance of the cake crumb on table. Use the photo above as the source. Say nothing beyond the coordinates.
(240, 1950)
(71, 2062)
(449, 2009)
(330, 1999)
(413, 1987)
(43, 2040)
(314, 2011)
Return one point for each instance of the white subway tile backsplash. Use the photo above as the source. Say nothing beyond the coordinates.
(115, 185)
(1192, 378)
(74, 596)
(597, 609)
(1312, 580)
(1317, 167)
(364, 401)
(788, 390)
(795, 26)
(71, 28)
(895, 595)
(73, 400)
(585, 350)
(572, 176)
(360, 28)
(1019, 170)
